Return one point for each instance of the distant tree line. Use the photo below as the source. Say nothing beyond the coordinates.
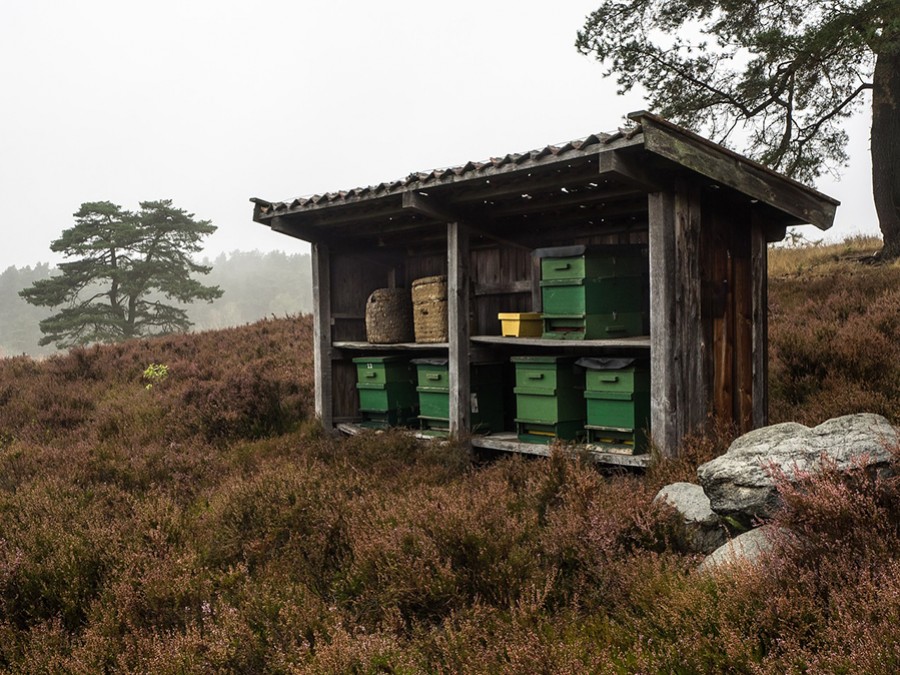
(256, 285)
(19, 329)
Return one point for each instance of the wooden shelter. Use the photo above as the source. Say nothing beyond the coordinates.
(705, 213)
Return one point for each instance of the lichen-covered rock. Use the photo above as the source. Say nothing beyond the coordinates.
(744, 549)
(705, 531)
(741, 482)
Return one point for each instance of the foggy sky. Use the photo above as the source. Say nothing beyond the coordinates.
(211, 103)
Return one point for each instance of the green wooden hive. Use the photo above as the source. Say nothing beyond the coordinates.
(387, 390)
(486, 397)
(591, 262)
(617, 393)
(593, 292)
(549, 398)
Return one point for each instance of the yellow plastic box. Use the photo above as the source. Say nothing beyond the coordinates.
(521, 324)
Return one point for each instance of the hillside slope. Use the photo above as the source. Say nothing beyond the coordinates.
(834, 330)
(204, 523)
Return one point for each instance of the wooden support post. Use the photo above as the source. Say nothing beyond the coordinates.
(759, 271)
(742, 270)
(458, 325)
(689, 344)
(537, 298)
(663, 351)
(322, 351)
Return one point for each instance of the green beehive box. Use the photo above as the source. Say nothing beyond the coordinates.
(387, 391)
(486, 403)
(588, 262)
(592, 296)
(618, 441)
(403, 417)
(605, 377)
(593, 292)
(617, 410)
(549, 398)
(534, 432)
(617, 393)
(386, 397)
(549, 408)
(592, 326)
(382, 369)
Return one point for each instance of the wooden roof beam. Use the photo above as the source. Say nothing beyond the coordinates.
(428, 207)
(731, 169)
(594, 210)
(582, 198)
(296, 230)
(608, 184)
(526, 182)
(563, 227)
(627, 168)
(350, 215)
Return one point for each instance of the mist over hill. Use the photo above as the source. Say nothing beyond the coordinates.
(257, 285)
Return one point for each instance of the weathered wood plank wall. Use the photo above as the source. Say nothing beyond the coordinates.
(759, 273)
(501, 278)
(426, 265)
(730, 308)
(743, 327)
(353, 278)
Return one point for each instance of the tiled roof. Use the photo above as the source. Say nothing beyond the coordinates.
(422, 180)
(650, 143)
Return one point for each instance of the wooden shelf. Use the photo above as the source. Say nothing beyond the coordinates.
(509, 442)
(637, 342)
(399, 346)
(352, 429)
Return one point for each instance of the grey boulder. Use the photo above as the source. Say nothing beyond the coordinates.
(704, 530)
(741, 483)
(744, 549)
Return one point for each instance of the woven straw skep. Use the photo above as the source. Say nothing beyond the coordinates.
(429, 297)
(389, 316)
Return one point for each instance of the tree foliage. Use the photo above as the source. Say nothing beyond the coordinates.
(122, 272)
(780, 75)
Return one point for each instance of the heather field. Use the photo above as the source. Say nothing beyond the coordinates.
(170, 506)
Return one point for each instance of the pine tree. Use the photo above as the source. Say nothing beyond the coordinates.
(786, 73)
(121, 268)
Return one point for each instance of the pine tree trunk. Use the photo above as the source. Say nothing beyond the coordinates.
(130, 318)
(886, 149)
